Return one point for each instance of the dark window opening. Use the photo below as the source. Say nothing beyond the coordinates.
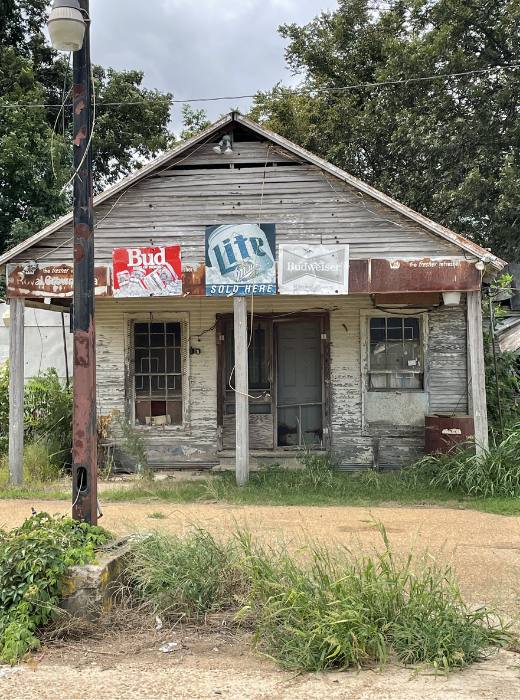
(157, 373)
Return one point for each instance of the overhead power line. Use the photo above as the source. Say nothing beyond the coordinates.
(304, 90)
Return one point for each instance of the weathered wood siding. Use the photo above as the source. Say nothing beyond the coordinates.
(259, 182)
(197, 440)
(447, 360)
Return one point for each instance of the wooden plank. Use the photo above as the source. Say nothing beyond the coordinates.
(16, 390)
(242, 390)
(477, 378)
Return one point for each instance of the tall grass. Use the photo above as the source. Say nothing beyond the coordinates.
(495, 472)
(344, 611)
(183, 577)
(320, 611)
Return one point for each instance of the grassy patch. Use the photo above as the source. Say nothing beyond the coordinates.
(182, 577)
(278, 488)
(495, 473)
(321, 610)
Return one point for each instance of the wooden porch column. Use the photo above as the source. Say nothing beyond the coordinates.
(242, 390)
(477, 375)
(16, 387)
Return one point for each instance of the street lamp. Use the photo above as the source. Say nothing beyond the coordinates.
(66, 25)
(69, 30)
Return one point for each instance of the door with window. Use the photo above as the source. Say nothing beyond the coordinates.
(287, 366)
(299, 384)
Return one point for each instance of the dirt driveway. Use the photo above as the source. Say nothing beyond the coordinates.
(483, 549)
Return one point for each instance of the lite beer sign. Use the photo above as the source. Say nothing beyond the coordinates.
(313, 270)
(147, 272)
(240, 260)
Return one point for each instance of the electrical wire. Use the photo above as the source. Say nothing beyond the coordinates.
(296, 91)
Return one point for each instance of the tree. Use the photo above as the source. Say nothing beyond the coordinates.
(35, 142)
(447, 147)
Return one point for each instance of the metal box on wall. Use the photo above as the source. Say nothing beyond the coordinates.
(443, 433)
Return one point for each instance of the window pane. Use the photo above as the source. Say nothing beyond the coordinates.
(141, 328)
(157, 328)
(141, 340)
(157, 340)
(142, 386)
(377, 330)
(412, 354)
(394, 328)
(287, 426)
(406, 381)
(173, 361)
(174, 330)
(378, 356)
(395, 356)
(411, 329)
(158, 384)
(174, 384)
(312, 425)
(156, 364)
(141, 363)
(378, 381)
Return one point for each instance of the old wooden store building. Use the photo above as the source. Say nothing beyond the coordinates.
(242, 280)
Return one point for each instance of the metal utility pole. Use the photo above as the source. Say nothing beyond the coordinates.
(84, 443)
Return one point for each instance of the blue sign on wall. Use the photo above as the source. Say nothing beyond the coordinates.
(240, 260)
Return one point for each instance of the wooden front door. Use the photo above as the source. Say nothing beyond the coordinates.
(299, 383)
(288, 367)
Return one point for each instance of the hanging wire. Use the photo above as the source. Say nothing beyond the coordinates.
(295, 91)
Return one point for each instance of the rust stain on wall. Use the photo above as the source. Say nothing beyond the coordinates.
(194, 279)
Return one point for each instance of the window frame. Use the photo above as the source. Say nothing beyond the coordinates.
(157, 317)
(366, 317)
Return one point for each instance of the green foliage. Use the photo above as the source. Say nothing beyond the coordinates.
(33, 561)
(184, 577)
(47, 416)
(341, 611)
(494, 473)
(193, 121)
(318, 470)
(48, 413)
(445, 147)
(36, 143)
(134, 446)
(39, 465)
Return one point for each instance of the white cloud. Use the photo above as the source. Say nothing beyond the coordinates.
(199, 47)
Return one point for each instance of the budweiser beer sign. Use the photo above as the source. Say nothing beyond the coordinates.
(313, 269)
(147, 272)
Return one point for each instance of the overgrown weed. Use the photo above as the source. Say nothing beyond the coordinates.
(323, 610)
(494, 472)
(183, 577)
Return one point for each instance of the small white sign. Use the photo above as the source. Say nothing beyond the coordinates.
(313, 269)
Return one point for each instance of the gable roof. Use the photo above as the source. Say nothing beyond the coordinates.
(233, 117)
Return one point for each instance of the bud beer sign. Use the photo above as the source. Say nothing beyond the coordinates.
(313, 269)
(240, 260)
(147, 272)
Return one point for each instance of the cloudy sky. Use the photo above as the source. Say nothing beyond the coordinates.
(199, 48)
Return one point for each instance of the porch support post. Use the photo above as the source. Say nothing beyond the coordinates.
(477, 375)
(242, 390)
(16, 387)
